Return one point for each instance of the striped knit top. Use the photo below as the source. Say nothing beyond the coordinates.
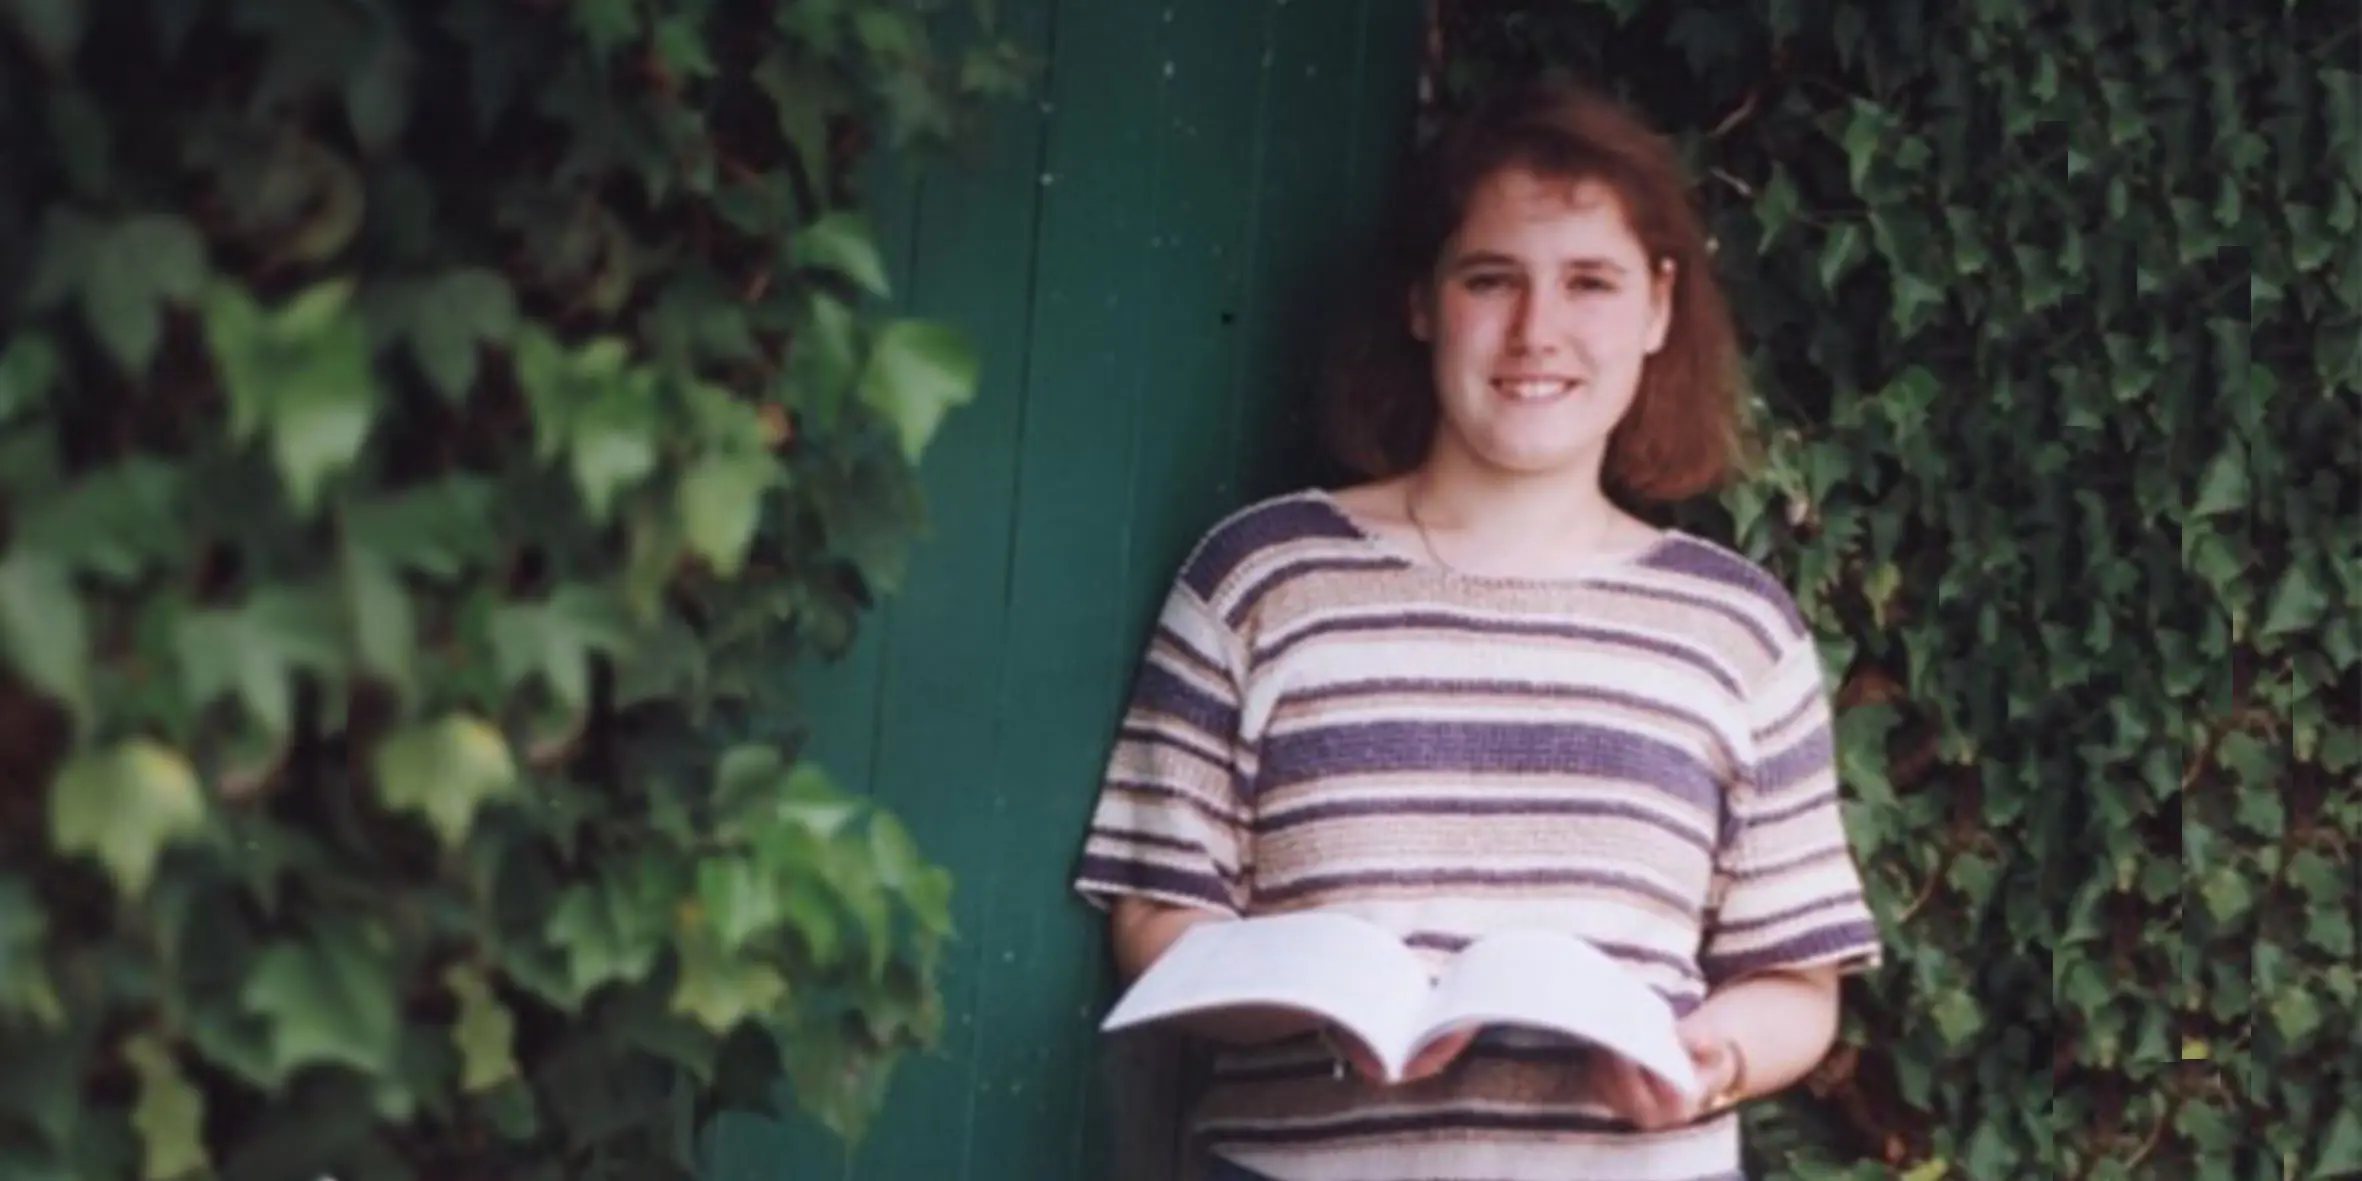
(1641, 756)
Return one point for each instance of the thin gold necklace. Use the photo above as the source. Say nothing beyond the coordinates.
(1410, 508)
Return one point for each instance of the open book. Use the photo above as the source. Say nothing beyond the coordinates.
(1366, 982)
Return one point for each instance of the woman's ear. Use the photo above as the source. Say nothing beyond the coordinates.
(1660, 322)
(1421, 313)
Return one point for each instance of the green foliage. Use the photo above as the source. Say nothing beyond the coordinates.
(423, 428)
(2055, 315)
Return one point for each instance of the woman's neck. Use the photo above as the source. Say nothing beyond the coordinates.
(1492, 511)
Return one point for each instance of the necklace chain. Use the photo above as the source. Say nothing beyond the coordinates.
(1410, 507)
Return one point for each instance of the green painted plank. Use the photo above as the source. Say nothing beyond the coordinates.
(900, 718)
(940, 736)
(1341, 91)
(937, 727)
(1097, 316)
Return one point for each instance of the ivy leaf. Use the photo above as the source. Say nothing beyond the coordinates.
(557, 637)
(444, 771)
(303, 371)
(485, 1033)
(42, 631)
(122, 272)
(28, 372)
(169, 1113)
(328, 1000)
(125, 805)
(925, 889)
(25, 988)
(377, 611)
(2223, 488)
(2297, 604)
(610, 929)
(917, 373)
(113, 522)
(721, 503)
(735, 900)
(53, 27)
(2341, 1148)
(841, 242)
(377, 89)
(823, 361)
(256, 650)
(719, 991)
(447, 321)
(801, 98)
(680, 45)
(607, 24)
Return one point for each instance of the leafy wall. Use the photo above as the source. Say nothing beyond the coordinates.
(2054, 316)
(420, 423)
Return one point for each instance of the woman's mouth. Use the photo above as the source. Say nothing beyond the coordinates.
(1535, 389)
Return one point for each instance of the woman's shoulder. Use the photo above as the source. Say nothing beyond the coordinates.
(1702, 570)
(1274, 529)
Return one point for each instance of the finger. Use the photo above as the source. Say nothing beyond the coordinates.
(1623, 1092)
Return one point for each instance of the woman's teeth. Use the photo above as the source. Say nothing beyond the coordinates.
(1534, 391)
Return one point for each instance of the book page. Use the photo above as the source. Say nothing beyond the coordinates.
(1356, 974)
(1562, 984)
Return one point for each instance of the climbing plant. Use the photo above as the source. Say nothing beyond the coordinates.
(2054, 315)
(421, 424)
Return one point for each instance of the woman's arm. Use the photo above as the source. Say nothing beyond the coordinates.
(1783, 1024)
(1752, 1038)
(1141, 930)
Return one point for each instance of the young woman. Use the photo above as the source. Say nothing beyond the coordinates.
(1479, 692)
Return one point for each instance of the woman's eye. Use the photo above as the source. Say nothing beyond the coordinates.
(1488, 283)
(1592, 283)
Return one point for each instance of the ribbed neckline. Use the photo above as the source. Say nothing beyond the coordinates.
(1598, 567)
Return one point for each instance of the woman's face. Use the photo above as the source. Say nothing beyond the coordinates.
(1541, 312)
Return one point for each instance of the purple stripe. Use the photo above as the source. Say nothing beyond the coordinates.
(1788, 719)
(1852, 939)
(1848, 900)
(1477, 748)
(1764, 872)
(1277, 821)
(1165, 643)
(1141, 733)
(1746, 622)
(1160, 690)
(1156, 840)
(1634, 953)
(1238, 539)
(1253, 595)
(1166, 791)
(1790, 811)
(1804, 758)
(1110, 875)
(1439, 687)
(1367, 881)
(1693, 558)
(1539, 629)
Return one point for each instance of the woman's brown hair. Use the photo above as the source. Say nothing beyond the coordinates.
(1683, 435)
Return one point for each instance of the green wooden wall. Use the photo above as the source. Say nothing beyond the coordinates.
(1144, 251)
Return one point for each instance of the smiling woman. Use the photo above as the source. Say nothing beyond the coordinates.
(1477, 692)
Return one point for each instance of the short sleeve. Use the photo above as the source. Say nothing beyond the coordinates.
(1790, 890)
(1170, 823)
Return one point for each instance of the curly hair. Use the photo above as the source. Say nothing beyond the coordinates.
(1684, 434)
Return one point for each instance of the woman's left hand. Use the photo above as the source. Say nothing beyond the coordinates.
(1647, 1101)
